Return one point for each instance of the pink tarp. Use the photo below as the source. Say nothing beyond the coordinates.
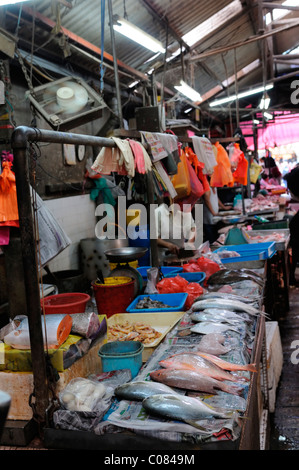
(285, 130)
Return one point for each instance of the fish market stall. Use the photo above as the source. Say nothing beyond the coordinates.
(200, 387)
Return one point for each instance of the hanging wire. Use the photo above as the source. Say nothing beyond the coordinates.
(102, 68)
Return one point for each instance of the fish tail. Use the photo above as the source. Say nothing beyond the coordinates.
(232, 389)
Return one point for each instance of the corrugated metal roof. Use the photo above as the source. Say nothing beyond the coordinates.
(182, 16)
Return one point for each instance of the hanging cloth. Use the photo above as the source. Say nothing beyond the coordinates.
(143, 163)
(107, 162)
(9, 214)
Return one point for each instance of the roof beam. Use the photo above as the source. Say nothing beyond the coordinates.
(79, 40)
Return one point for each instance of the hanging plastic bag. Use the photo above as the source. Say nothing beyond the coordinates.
(181, 181)
(235, 155)
(240, 174)
(222, 175)
(198, 168)
(8, 195)
(254, 172)
(196, 189)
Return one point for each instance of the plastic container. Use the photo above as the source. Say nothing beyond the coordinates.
(73, 302)
(114, 296)
(118, 355)
(192, 277)
(166, 271)
(176, 303)
(248, 252)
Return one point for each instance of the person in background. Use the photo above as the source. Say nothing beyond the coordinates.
(292, 180)
(211, 206)
(175, 229)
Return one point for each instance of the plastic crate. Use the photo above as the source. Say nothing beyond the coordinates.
(248, 252)
(166, 270)
(271, 225)
(176, 303)
(191, 277)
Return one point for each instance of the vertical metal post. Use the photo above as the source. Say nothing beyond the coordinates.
(21, 169)
(117, 85)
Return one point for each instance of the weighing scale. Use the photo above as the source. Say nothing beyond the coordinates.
(122, 257)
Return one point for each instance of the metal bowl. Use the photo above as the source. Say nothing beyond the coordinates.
(126, 254)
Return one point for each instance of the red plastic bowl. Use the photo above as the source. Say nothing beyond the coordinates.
(74, 302)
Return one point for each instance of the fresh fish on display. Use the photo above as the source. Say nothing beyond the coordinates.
(192, 361)
(226, 276)
(182, 408)
(228, 365)
(212, 327)
(212, 343)
(216, 315)
(141, 389)
(233, 305)
(193, 380)
(223, 295)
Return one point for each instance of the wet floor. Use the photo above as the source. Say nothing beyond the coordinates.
(285, 419)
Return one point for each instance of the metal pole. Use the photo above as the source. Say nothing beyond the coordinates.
(117, 85)
(19, 142)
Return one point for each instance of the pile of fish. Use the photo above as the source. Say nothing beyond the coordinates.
(147, 302)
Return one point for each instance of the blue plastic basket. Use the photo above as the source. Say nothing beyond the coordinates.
(164, 269)
(176, 303)
(191, 277)
(118, 355)
(248, 252)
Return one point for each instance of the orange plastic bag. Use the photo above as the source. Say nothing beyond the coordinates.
(222, 175)
(8, 196)
(181, 181)
(198, 168)
(241, 173)
(196, 189)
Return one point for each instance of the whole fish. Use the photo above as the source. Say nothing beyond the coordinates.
(141, 389)
(225, 276)
(205, 327)
(233, 305)
(227, 365)
(191, 361)
(192, 380)
(216, 315)
(212, 343)
(228, 296)
(187, 409)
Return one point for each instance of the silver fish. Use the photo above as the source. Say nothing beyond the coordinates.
(182, 408)
(216, 315)
(228, 296)
(233, 305)
(211, 327)
(141, 389)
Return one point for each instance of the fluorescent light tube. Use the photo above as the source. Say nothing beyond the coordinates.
(241, 95)
(268, 116)
(265, 102)
(188, 91)
(256, 121)
(136, 34)
(10, 2)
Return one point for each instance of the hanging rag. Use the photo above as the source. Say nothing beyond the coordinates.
(126, 156)
(143, 163)
(101, 188)
(9, 214)
(108, 161)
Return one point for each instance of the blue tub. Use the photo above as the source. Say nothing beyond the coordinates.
(248, 252)
(191, 277)
(175, 301)
(166, 270)
(117, 355)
